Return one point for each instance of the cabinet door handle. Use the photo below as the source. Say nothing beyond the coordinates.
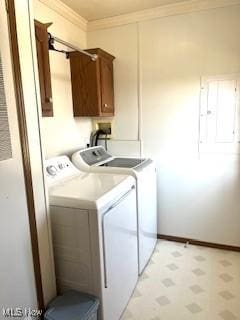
(105, 105)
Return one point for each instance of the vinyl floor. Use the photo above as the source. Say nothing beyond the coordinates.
(187, 283)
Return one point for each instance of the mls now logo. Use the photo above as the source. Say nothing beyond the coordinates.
(12, 312)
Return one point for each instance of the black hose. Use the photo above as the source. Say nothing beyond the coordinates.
(98, 133)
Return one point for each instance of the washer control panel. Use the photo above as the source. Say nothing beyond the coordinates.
(94, 155)
(59, 168)
(51, 170)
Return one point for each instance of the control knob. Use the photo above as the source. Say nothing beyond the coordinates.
(51, 170)
(61, 166)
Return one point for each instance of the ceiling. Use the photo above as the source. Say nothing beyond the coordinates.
(98, 9)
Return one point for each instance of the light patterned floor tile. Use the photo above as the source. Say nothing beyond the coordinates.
(187, 283)
(226, 277)
(163, 300)
(196, 289)
(194, 308)
(226, 295)
(228, 315)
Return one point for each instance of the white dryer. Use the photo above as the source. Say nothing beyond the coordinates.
(91, 214)
(96, 159)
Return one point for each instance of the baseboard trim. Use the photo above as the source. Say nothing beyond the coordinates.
(199, 243)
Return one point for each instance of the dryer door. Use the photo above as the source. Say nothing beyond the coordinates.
(147, 214)
(119, 226)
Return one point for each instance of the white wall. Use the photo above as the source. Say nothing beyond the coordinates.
(62, 133)
(122, 42)
(198, 195)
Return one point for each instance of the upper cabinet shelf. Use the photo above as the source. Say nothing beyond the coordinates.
(92, 84)
(41, 34)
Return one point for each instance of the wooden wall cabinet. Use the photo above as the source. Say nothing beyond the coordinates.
(41, 34)
(92, 84)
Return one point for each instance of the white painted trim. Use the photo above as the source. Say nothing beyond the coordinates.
(45, 252)
(143, 15)
(227, 76)
(66, 12)
(139, 91)
(160, 12)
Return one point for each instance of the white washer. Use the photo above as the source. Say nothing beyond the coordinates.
(91, 214)
(96, 159)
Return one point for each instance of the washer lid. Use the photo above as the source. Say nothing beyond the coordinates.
(90, 190)
(124, 162)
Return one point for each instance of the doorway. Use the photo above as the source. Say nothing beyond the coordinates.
(20, 271)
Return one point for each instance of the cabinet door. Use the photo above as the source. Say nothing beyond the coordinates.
(107, 107)
(85, 85)
(44, 68)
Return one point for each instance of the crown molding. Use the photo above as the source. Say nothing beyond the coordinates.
(66, 12)
(160, 12)
(143, 15)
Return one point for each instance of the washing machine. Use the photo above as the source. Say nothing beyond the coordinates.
(91, 214)
(97, 159)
